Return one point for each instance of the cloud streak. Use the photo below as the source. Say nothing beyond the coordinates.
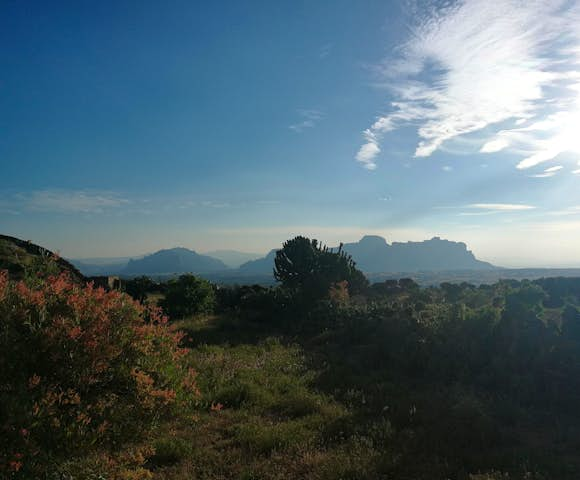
(66, 201)
(501, 207)
(309, 120)
(473, 66)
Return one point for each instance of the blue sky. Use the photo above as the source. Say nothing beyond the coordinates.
(126, 127)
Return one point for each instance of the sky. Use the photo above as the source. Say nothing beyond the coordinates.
(130, 126)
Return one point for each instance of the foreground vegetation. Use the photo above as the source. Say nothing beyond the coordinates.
(312, 379)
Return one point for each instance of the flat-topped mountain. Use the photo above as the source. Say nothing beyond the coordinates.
(174, 260)
(373, 254)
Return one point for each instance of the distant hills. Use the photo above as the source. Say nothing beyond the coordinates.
(163, 262)
(174, 260)
(373, 254)
(233, 258)
(260, 266)
(429, 263)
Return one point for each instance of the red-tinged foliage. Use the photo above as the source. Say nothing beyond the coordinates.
(82, 372)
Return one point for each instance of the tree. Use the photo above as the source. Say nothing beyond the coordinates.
(188, 295)
(311, 269)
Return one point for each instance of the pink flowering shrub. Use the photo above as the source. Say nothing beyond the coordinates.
(82, 372)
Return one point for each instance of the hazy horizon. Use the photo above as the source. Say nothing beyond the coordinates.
(129, 129)
(326, 236)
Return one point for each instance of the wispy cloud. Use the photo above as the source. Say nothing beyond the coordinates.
(548, 172)
(68, 201)
(475, 65)
(574, 210)
(501, 207)
(309, 119)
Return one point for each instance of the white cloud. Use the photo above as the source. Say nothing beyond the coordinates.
(548, 172)
(474, 64)
(369, 150)
(309, 118)
(70, 201)
(501, 207)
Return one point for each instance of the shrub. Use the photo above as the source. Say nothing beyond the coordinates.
(83, 372)
(188, 295)
(312, 269)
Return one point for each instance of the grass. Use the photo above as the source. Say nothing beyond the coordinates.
(268, 411)
(261, 417)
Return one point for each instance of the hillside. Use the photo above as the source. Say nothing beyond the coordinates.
(16, 255)
(174, 260)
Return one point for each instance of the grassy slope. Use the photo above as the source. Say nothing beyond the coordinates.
(262, 418)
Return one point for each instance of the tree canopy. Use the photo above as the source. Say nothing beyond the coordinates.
(305, 265)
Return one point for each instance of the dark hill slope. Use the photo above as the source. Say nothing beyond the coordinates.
(174, 260)
(17, 255)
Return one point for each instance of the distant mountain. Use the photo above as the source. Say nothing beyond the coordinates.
(260, 266)
(233, 258)
(102, 266)
(174, 260)
(373, 254)
(16, 255)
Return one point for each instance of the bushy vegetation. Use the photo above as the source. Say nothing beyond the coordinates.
(321, 377)
(188, 295)
(435, 383)
(84, 376)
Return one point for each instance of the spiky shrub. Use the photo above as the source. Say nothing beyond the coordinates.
(83, 372)
(304, 265)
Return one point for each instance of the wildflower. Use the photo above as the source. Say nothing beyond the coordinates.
(15, 465)
(75, 332)
(33, 381)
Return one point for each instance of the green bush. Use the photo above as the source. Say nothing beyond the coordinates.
(83, 373)
(188, 295)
